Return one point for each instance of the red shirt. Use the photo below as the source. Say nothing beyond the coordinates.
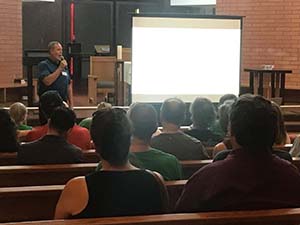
(242, 181)
(79, 136)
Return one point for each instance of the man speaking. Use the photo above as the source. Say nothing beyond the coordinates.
(53, 74)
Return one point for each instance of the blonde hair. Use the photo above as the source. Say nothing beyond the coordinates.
(18, 112)
(104, 105)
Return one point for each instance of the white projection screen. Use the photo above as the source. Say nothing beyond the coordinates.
(185, 57)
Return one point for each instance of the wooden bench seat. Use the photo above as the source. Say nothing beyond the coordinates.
(38, 202)
(259, 217)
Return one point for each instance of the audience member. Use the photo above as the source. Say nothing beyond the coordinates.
(251, 177)
(53, 148)
(295, 150)
(216, 127)
(203, 116)
(119, 189)
(143, 118)
(18, 112)
(282, 137)
(79, 136)
(86, 123)
(224, 114)
(227, 97)
(223, 149)
(172, 140)
(8, 133)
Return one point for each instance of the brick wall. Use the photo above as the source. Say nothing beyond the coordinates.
(10, 40)
(271, 34)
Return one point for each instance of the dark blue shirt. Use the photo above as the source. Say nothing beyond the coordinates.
(45, 68)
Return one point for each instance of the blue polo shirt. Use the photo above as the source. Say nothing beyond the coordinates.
(60, 85)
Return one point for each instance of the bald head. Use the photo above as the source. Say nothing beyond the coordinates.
(143, 118)
(173, 111)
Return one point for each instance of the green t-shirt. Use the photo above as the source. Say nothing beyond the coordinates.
(86, 123)
(24, 127)
(155, 160)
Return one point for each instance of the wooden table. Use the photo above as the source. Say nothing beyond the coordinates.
(277, 75)
(11, 85)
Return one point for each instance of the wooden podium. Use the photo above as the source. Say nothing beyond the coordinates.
(277, 85)
(107, 78)
(102, 77)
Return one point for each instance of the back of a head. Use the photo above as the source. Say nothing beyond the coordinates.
(227, 97)
(62, 120)
(224, 114)
(203, 112)
(104, 105)
(18, 112)
(143, 118)
(111, 133)
(173, 111)
(281, 133)
(8, 131)
(49, 101)
(253, 123)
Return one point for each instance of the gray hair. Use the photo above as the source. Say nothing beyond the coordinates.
(52, 44)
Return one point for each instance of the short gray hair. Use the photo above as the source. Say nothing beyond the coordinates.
(52, 44)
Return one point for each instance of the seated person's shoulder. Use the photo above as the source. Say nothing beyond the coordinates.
(190, 138)
(76, 184)
(75, 149)
(86, 123)
(222, 155)
(163, 155)
(67, 204)
(36, 133)
(80, 130)
(283, 155)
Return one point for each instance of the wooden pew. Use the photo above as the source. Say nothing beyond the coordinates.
(13, 176)
(189, 167)
(9, 159)
(259, 217)
(90, 156)
(38, 202)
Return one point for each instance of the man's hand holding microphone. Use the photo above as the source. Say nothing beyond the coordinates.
(63, 63)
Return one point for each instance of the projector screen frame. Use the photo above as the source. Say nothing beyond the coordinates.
(192, 16)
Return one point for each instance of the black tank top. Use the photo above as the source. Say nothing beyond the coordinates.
(122, 193)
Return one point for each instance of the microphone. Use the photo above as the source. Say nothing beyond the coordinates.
(63, 58)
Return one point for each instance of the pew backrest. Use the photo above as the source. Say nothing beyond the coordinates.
(13, 176)
(10, 159)
(261, 217)
(38, 202)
